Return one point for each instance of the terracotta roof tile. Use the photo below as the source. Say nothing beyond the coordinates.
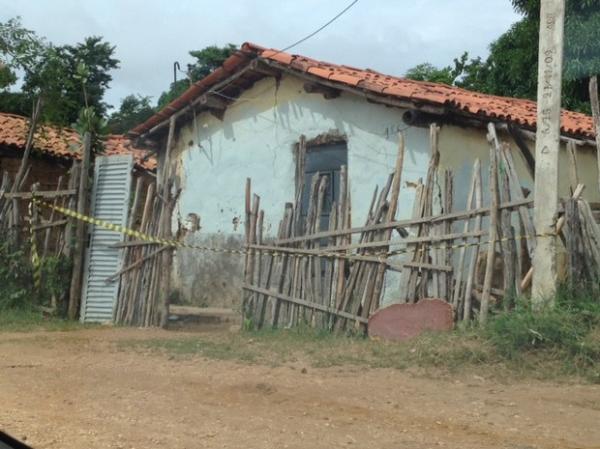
(63, 142)
(278, 56)
(345, 78)
(319, 71)
(519, 111)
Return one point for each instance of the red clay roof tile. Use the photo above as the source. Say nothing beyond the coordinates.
(63, 142)
(519, 111)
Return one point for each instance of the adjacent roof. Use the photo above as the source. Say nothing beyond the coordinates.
(63, 142)
(369, 83)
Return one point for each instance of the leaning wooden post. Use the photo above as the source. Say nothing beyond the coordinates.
(168, 204)
(493, 232)
(79, 252)
(593, 86)
(547, 146)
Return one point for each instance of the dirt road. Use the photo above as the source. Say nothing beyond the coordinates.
(80, 390)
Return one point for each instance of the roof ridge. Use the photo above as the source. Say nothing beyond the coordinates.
(521, 111)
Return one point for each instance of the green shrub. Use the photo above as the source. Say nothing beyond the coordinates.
(565, 329)
(16, 278)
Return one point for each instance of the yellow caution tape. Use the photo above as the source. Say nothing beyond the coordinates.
(35, 259)
(178, 244)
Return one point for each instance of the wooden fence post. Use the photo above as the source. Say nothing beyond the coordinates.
(80, 234)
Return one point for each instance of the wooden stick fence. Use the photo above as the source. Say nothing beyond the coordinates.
(333, 276)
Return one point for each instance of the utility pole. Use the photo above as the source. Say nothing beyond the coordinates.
(547, 144)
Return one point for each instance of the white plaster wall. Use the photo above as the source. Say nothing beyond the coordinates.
(256, 140)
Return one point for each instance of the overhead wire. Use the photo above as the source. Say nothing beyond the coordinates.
(321, 28)
(304, 39)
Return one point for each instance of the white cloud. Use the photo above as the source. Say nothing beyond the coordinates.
(386, 35)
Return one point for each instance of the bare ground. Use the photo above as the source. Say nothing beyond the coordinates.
(81, 389)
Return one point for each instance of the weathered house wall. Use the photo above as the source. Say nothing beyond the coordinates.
(256, 139)
(44, 170)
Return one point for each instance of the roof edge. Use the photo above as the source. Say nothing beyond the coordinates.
(231, 65)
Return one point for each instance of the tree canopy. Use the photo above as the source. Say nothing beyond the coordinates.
(134, 109)
(67, 77)
(206, 60)
(73, 79)
(511, 67)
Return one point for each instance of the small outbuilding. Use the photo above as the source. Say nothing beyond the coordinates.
(246, 119)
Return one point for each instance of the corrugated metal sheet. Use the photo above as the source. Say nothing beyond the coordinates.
(110, 202)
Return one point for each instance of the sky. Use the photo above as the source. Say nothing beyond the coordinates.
(389, 36)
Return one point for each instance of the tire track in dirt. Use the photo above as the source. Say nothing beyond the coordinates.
(80, 391)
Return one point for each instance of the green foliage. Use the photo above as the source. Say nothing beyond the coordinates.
(28, 319)
(206, 61)
(465, 72)
(551, 344)
(511, 68)
(56, 277)
(134, 109)
(567, 331)
(428, 72)
(20, 49)
(71, 77)
(16, 278)
(57, 73)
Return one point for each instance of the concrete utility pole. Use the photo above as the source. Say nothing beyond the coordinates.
(547, 146)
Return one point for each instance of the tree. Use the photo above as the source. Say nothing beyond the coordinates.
(52, 72)
(60, 81)
(429, 72)
(206, 61)
(511, 68)
(134, 109)
(464, 72)
(21, 50)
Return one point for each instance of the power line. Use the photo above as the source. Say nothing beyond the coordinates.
(318, 30)
(298, 42)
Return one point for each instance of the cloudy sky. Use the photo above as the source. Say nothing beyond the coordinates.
(387, 35)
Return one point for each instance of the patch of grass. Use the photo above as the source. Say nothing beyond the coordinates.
(550, 344)
(29, 319)
(305, 346)
(565, 336)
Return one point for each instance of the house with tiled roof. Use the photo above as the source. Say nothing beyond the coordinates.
(54, 150)
(247, 117)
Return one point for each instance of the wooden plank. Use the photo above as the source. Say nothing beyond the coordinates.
(136, 264)
(430, 219)
(374, 300)
(286, 230)
(42, 194)
(308, 304)
(51, 219)
(575, 253)
(80, 228)
(511, 265)
(50, 224)
(491, 252)
(132, 243)
(573, 166)
(461, 257)
(593, 89)
(526, 282)
(505, 158)
(70, 202)
(475, 250)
